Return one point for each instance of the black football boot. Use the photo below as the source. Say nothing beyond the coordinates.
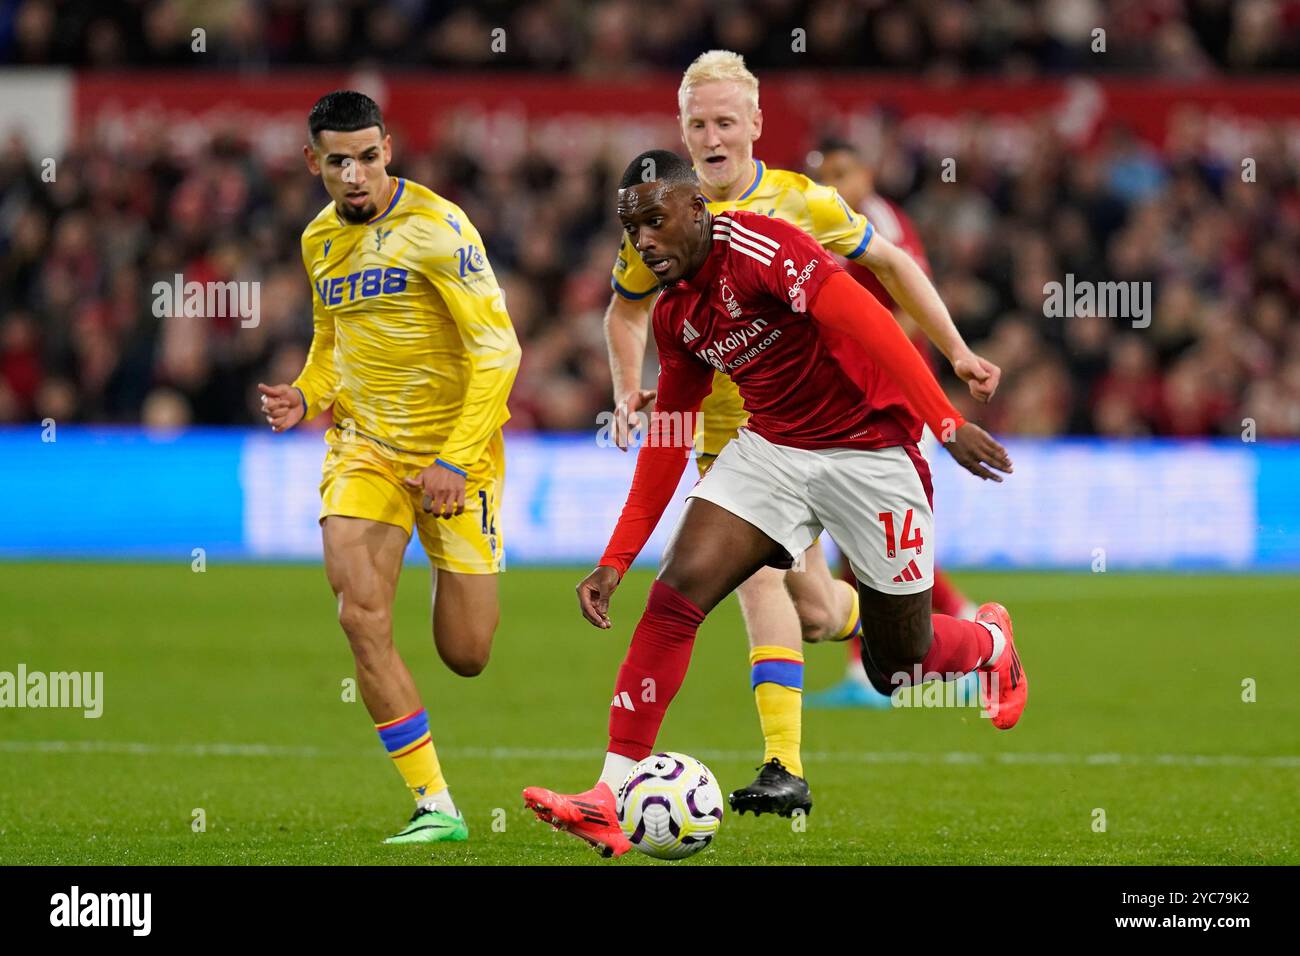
(776, 790)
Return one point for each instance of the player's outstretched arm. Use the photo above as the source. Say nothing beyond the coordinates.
(659, 467)
(283, 406)
(627, 323)
(844, 305)
(683, 383)
(912, 289)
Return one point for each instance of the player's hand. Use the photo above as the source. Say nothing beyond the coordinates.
(628, 406)
(444, 491)
(594, 593)
(282, 405)
(979, 374)
(974, 448)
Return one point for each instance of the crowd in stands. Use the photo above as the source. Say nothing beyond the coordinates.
(1184, 38)
(1218, 353)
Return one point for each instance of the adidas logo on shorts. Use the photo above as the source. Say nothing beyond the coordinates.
(909, 573)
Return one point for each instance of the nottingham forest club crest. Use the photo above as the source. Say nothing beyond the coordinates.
(729, 298)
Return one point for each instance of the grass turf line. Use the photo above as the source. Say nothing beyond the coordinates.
(1138, 666)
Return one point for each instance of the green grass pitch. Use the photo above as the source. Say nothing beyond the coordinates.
(223, 692)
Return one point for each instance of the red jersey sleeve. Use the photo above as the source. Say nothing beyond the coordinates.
(683, 383)
(782, 259)
(844, 305)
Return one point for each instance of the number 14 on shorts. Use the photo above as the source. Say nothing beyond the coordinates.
(911, 536)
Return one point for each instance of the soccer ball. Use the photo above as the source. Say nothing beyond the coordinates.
(670, 806)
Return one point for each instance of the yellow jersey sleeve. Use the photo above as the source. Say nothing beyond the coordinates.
(632, 279)
(319, 381)
(835, 224)
(456, 267)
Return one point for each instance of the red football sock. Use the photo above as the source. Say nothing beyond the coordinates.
(958, 647)
(944, 596)
(652, 672)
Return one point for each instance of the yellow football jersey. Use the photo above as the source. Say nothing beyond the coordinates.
(412, 344)
(818, 210)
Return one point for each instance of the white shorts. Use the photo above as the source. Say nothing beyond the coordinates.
(874, 502)
(928, 445)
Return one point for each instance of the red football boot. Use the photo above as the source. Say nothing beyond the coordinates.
(589, 816)
(1006, 678)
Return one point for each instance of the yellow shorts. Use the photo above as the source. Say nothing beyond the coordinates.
(362, 478)
(722, 415)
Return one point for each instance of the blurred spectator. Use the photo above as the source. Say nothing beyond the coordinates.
(165, 410)
(80, 338)
(952, 37)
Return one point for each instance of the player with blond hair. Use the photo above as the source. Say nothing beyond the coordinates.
(720, 121)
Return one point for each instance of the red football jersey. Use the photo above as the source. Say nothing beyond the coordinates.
(743, 313)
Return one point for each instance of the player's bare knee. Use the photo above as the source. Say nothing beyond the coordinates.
(896, 651)
(896, 628)
(682, 576)
(466, 663)
(466, 655)
(366, 624)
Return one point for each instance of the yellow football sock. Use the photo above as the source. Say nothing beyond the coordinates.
(853, 625)
(778, 693)
(409, 743)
